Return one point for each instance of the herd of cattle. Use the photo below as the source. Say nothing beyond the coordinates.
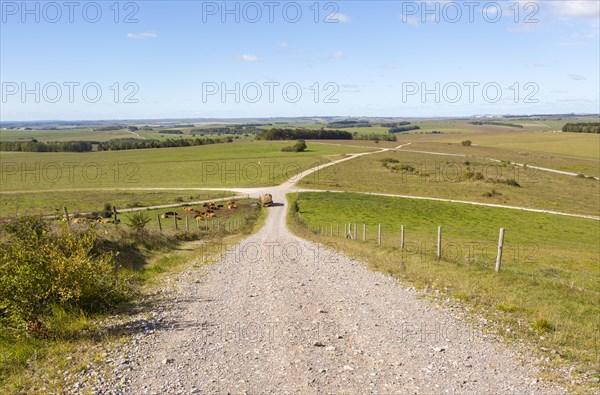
(100, 220)
(201, 215)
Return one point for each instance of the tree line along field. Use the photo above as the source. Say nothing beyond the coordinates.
(221, 165)
(546, 291)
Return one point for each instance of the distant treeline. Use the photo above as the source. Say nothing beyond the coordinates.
(250, 125)
(109, 128)
(406, 128)
(227, 130)
(583, 127)
(304, 134)
(127, 144)
(349, 124)
(170, 132)
(497, 123)
(395, 124)
(36, 146)
(375, 137)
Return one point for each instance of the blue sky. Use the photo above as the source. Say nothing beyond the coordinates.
(363, 58)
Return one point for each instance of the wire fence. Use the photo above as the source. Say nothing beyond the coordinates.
(545, 259)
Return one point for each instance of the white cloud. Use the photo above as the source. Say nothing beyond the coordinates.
(249, 58)
(578, 8)
(337, 54)
(338, 17)
(577, 77)
(143, 35)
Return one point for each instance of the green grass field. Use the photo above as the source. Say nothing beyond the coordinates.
(443, 176)
(548, 287)
(572, 145)
(50, 203)
(91, 135)
(64, 135)
(530, 139)
(570, 163)
(237, 164)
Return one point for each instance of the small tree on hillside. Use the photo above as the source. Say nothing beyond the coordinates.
(138, 221)
(300, 146)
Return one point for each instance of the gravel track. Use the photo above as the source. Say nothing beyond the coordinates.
(278, 314)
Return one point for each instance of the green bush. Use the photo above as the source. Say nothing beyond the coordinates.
(300, 146)
(107, 211)
(138, 221)
(466, 143)
(512, 182)
(41, 269)
(386, 161)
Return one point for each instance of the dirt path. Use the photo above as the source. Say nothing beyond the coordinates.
(278, 314)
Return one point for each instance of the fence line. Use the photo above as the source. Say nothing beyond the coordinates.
(438, 252)
(350, 232)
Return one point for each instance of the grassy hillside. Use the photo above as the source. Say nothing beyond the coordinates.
(446, 176)
(237, 164)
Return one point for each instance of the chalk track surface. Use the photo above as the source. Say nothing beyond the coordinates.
(279, 314)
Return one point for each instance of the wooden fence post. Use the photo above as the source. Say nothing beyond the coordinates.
(402, 237)
(115, 214)
(187, 223)
(197, 224)
(500, 246)
(379, 235)
(66, 216)
(364, 232)
(159, 224)
(354, 232)
(439, 243)
(175, 219)
(338, 230)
